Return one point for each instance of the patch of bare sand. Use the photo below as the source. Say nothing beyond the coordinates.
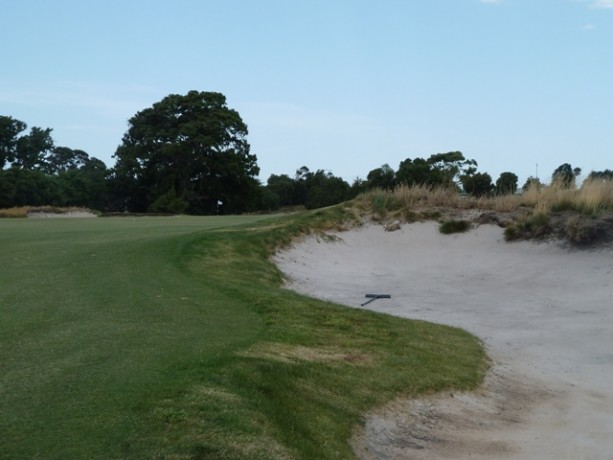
(544, 313)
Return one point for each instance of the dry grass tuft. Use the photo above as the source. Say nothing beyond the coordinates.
(289, 353)
(24, 211)
(592, 198)
(14, 212)
(595, 196)
(536, 213)
(424, 196)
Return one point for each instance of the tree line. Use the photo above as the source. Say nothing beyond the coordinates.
(190, 154)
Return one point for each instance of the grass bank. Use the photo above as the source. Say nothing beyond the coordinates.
(172, 338)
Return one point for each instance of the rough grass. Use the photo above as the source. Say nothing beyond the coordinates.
(592, 198)
(172, 338)
(581, 216)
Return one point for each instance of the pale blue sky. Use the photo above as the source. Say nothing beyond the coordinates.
(339, 85)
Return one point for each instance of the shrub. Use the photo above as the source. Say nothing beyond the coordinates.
(169, 202)
(536, 225)
(454, 226)
(576, 230)
(512, 233)
(270, 200)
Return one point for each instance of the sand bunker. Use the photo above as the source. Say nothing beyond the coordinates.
(545, 314)
(60, 215)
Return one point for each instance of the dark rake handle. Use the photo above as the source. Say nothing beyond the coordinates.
(372, 297)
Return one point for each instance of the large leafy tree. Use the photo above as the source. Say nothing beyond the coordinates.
(607, 174)
(33, 149)
(25, 151)
(383, 177)
(84, 183)
(188, 153)
(448, 167)
(532, 183)
(63, 159)
(311, 189)
(441, 169)
(564, 175)
(9, 132)
(286, 189)
(412, 172)
(33, 171)
(506, 184)
(325, 189)
(477, 184)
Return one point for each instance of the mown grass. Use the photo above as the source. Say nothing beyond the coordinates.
(172, 338)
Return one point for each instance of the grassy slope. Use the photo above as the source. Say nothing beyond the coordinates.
(169, 338)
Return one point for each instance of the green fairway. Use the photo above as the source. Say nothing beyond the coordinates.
(171, 338)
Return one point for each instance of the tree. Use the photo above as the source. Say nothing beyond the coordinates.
(477, 184)
(285, 189)
(301, 179)
(85, 185)
(607, 174)
(383, 177)
(506, 184)
(270, 200)
(40, 173)
(28, 151)
(324, 189)
(357, 186)
(23, 187)
(448, 167)
(188, 149)
(443, 169)
(62, 159)
(33, 148)
(531, 182)
(412, 172)
(9, 132)
(565, 175)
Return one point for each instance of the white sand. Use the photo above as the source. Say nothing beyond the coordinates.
(545, 315)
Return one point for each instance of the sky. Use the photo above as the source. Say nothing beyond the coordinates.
(339, 85)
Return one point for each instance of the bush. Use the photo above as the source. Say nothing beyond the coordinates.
(478, 184)
(581, 230)
(534, 226)
(454, 226)
(169, 203)
(270, 200)
(512, 233)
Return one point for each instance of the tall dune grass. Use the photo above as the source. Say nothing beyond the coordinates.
(594, 197)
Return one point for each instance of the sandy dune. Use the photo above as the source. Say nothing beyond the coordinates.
(545, 314)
